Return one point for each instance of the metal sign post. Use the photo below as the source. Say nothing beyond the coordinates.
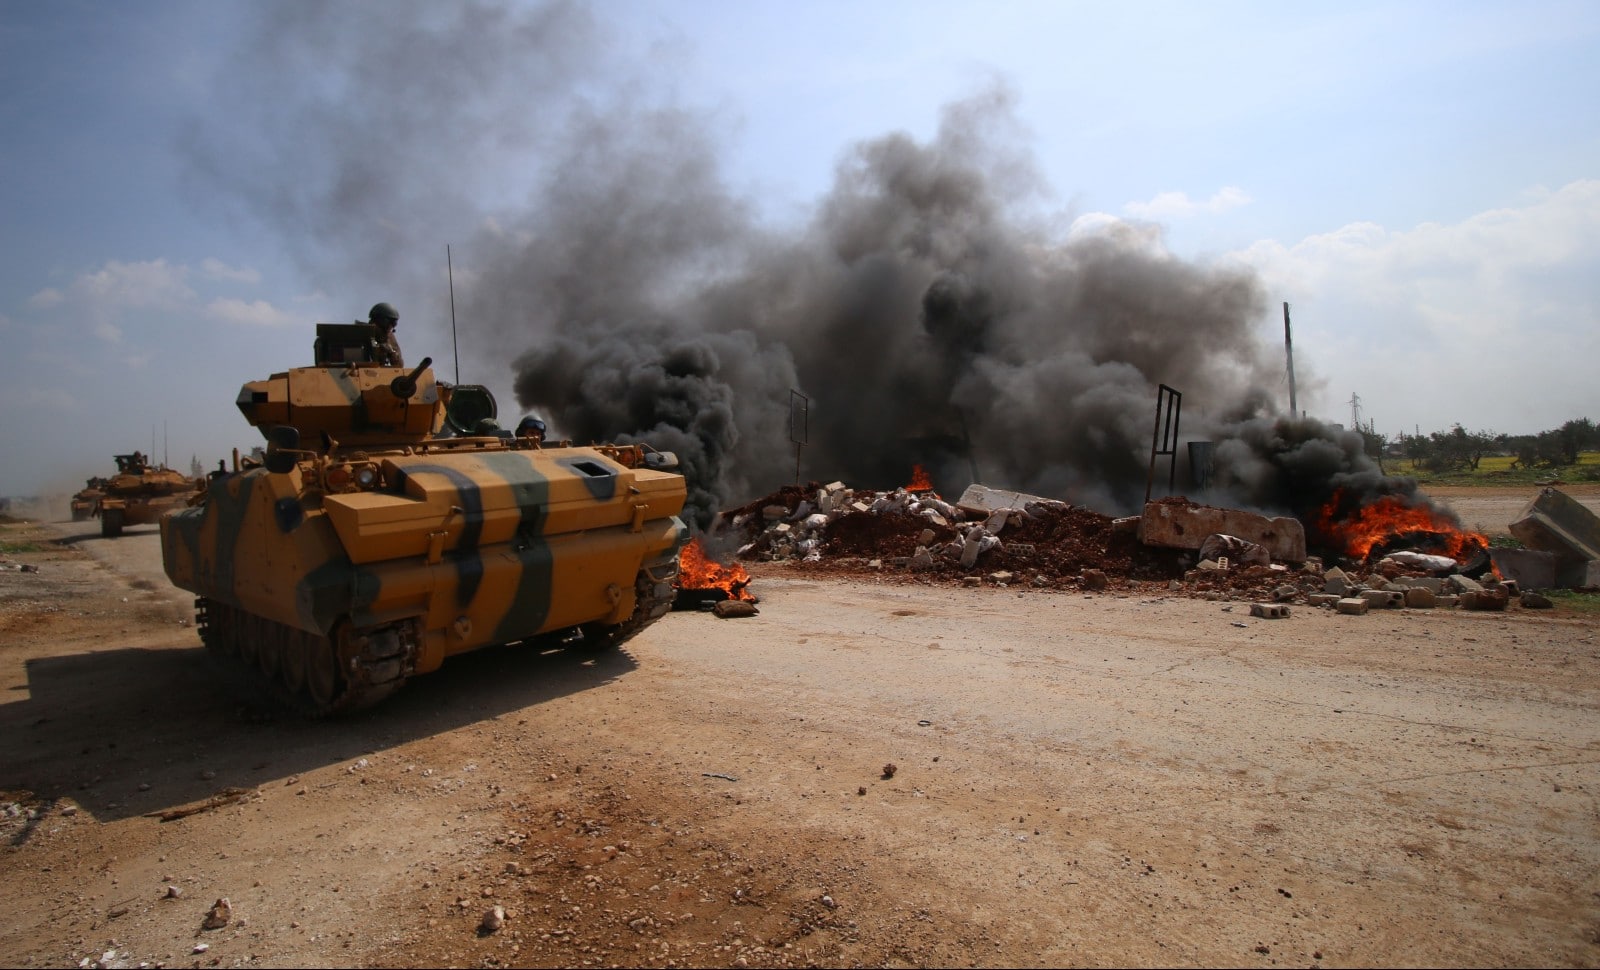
(799, 426)
(1169, 404)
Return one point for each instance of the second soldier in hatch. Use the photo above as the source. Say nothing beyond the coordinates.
(385, 346)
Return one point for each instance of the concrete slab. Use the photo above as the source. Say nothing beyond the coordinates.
(1557, 523)
(1579, 575)
(983, 500)
(1175, 526)
(1528, 567)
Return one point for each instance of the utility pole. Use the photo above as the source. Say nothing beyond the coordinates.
(1355, 410)
(1288, 350)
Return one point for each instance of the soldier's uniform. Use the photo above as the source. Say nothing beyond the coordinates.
(385, 346)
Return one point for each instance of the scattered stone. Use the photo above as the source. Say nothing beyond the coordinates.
(889, 770)
(1269, 611)
(1285, 592)
(173, 892)
(1536, 601)
(732, 609)
(1484, 599)
(1094, 579)
(493, 920)
(1323, 599)
(1351, 606)
(221, 913)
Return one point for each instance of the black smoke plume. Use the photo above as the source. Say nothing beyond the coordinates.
(928, 308)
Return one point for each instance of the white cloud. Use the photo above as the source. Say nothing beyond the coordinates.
(216, 269)
(1178, 205)
(109, 332)
(154, 283)
(46, 298)
(1491, 321)
(258, 313)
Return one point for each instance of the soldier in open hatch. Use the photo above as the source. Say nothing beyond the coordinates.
(531, 427)
(386, 346)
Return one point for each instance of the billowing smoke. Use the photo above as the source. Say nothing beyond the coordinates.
(925, 311)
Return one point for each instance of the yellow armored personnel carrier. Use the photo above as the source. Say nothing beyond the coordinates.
(392, 525)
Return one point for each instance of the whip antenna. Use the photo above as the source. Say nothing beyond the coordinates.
(455, 350)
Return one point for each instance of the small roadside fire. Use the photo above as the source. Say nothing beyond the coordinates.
(704, 579)
(920, 482)
(1390, 523)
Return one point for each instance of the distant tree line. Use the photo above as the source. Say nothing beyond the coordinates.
(1459, 449)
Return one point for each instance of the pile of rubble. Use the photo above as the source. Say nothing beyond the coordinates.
(995, 537)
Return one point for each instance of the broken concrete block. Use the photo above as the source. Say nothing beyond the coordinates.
(1383, 599)
(1462, 584)
(1234, 549)
(1128, 523)
(1351, 606)
(1535, 601)
(997, 520)
(1447, 601)
(1285, 592)
(1337, 585)
(1269, 611)
(1580, 575)
(1484, 599)
(1433, 584)
(1174, 526)
(1531, 568)
(1559, 524)
(1094, 579)
(1420, 598)
(1323, 599)
(982, 500)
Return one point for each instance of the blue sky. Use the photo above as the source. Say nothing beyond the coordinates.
(1420, 181)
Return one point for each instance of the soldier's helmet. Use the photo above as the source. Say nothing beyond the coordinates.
(530, 423)
(384, 311)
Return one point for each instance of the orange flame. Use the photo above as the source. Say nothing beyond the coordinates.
(1387, 518)
(920, 482)
(696, 570)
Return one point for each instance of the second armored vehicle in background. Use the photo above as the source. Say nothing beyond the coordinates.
(139, 493)
(87, 499)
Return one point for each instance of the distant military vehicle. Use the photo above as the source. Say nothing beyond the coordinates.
(87, 499)
(392, 525)
(140, 493)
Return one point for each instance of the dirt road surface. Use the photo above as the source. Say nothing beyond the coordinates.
(868, 773)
